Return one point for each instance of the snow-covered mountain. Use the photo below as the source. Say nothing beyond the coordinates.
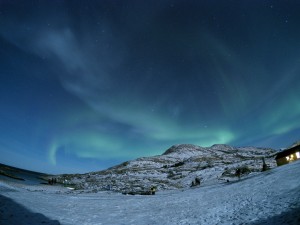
(176, 168)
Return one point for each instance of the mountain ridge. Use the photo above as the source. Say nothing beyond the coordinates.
(176, 168)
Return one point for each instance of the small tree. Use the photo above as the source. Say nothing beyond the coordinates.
(242, 170)
(196, 182)
(238, 172)
(265, 166)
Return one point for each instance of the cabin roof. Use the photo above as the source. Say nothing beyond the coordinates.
(287, 152)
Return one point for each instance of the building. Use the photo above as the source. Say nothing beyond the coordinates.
(288, 155)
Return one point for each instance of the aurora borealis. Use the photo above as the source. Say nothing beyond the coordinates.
(85, 85)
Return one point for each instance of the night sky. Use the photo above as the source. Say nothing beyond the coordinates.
(85, 85)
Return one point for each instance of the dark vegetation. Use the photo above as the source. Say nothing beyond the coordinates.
(196, 182)
(10, 175)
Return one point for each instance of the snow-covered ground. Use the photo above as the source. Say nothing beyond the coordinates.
(272, 197)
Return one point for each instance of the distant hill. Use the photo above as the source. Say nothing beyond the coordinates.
(176, 168)
(10, 173)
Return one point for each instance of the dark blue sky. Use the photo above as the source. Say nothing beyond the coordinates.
(85, 85)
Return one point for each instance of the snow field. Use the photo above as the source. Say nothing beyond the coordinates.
(268, 198)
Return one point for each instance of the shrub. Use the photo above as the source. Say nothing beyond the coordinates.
(178, 164)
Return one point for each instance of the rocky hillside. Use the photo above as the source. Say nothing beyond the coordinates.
(177, 168)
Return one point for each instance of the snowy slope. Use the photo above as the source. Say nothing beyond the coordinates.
(175, 169)
(271, 198)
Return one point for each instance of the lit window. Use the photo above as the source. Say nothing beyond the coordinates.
(298, 155)
(287, 158)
